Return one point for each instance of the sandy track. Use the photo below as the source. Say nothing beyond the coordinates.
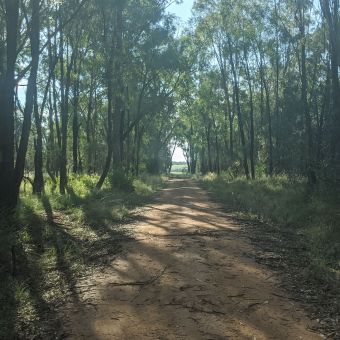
(185, 276)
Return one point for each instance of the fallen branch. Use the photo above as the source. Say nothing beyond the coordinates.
(139, 283)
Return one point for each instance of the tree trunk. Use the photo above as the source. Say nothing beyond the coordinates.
(269, 116)
(239, 114)
(30, 96)
(251, 103)
(64, 119)
(75, 121)
(65, 90)
(304, 100)
(119, 90)
(208, 129)
(331, 13)
(109, 124)
(38, 183)
(8, 197)
(89, 125)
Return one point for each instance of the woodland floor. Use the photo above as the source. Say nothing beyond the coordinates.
(186, 273)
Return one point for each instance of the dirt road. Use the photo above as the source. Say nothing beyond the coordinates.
(186, 275)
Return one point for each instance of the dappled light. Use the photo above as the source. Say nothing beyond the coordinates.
(185, 275)
(169, 169)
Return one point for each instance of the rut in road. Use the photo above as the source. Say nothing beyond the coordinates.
(185, 276)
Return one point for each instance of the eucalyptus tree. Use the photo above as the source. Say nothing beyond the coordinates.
(25, 16)
(276, 71)
(330, 10)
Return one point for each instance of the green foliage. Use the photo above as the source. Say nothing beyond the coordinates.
(120, 180)
(289, 204)
(57, 238)
(179, 168)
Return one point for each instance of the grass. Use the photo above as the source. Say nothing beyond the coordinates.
(290, 205)
(57, 239)
(179, 168)
(300, 226)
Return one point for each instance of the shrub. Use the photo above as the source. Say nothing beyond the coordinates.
(287, 203)
(121, 181)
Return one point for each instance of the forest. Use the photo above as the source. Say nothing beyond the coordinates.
(95, 99)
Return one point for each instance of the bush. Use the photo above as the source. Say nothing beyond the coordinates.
(287, 203)
(121, 181)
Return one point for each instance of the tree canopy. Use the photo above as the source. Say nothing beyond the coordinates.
(108, 87)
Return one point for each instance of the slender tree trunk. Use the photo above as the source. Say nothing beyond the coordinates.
(30, 94)
(331, 13)
(89, 128)
(277, 83)
(209, 147)
(38, 183)
(64, 120)
(218, 165)
(239, 114)
(54, 92)
(75, 120)
(118, 117)
(228, 110)
(109, 124)
(252, 134)
(51, 164)
(139, 142)
(325, 108)
(304, 100)
(269, 118)
(8, 197)
(231, 127)
(65, 90)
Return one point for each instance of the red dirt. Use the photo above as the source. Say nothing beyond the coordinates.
(185, 276)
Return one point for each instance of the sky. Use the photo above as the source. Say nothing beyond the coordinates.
(183, 11)
(178, 155)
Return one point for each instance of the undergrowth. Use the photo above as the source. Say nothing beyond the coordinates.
(57, 238)
(291, 205)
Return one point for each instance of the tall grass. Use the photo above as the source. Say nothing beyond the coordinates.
(57, 238)
(289, 204)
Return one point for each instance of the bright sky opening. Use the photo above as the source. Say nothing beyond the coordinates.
(183, 11)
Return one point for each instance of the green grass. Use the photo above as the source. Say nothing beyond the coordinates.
(290, 205)
(179, 168)
(58, 238)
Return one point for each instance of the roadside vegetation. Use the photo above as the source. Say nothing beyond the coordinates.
(179, 168)
(93, 94)
(295, 231)
(59, 238)
(290, 205)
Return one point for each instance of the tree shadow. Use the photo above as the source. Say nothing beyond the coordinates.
(8, 301)
(60, 240)
(24, 290)
(188, 281)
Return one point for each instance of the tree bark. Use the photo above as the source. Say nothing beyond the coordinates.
(38, 183)
(30, 96)
(109, 124)
(304, 100)
(269, 118)
(251, 103)
(65, 90)
(239, 114)
(118, 117)
(75, 120)
(331, 13)
(8, 198)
